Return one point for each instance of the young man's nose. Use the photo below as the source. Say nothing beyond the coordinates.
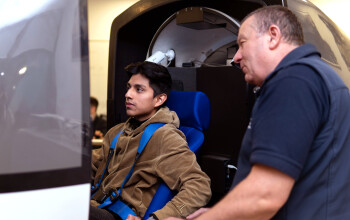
(128, 93)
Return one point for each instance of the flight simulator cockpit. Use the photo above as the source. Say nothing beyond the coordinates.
(196, 41)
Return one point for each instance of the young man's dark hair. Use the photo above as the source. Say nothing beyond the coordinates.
(159, 77)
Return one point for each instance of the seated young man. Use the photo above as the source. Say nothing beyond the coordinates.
(165, 158)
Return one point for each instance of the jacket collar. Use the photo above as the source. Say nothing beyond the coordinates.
(163, 115)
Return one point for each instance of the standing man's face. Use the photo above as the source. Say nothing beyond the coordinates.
(252, 53)
(140, 102)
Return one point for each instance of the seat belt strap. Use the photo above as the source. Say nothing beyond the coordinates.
(147, 134)
(110, 154)
(109, 203)
(121, 209)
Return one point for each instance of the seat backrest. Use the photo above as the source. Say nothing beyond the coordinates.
(193, 110)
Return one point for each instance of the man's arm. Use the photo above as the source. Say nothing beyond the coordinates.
(259, 196)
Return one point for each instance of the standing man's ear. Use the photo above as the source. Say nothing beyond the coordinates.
(160, 99)
(275, 36)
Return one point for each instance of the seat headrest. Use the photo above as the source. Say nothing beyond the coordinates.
(192, 107)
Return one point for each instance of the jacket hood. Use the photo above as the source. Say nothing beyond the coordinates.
(163, 115)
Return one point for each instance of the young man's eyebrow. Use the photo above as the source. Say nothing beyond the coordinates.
(140, 85)
(136, 85)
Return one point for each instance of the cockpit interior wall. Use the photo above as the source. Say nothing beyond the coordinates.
(147, 26)
(132, 33)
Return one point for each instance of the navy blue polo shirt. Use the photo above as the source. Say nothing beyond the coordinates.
(292, 107)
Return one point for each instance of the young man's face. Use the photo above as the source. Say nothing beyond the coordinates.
(139, 100)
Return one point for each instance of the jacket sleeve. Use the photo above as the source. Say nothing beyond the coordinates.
(99, 156)
(178, 168)
(96, 159)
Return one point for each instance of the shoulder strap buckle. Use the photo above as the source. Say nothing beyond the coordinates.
(114, 196)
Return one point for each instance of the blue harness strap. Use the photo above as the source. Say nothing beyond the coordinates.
(113, 203)
(110, 154)
(121, 209)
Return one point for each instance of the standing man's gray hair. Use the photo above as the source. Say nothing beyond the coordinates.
(285, 19)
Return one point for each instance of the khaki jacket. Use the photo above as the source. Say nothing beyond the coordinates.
(166, 158)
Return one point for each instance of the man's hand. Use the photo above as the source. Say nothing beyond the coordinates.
(173, 218)
(98, 134)
(132, 217)
(192, 216)
(197, 213)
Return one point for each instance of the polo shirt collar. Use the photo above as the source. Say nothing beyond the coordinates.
(296, 54)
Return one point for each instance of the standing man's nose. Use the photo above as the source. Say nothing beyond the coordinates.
(236, 60)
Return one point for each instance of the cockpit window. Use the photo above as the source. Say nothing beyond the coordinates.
(44, 117)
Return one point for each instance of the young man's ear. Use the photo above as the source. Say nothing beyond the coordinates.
(160, 99)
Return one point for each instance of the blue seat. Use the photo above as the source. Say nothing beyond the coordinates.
(193, 109)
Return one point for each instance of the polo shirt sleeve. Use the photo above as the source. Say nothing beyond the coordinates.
(289, 112)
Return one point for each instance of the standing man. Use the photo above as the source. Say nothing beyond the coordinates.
(294, 161)
(166, 157)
